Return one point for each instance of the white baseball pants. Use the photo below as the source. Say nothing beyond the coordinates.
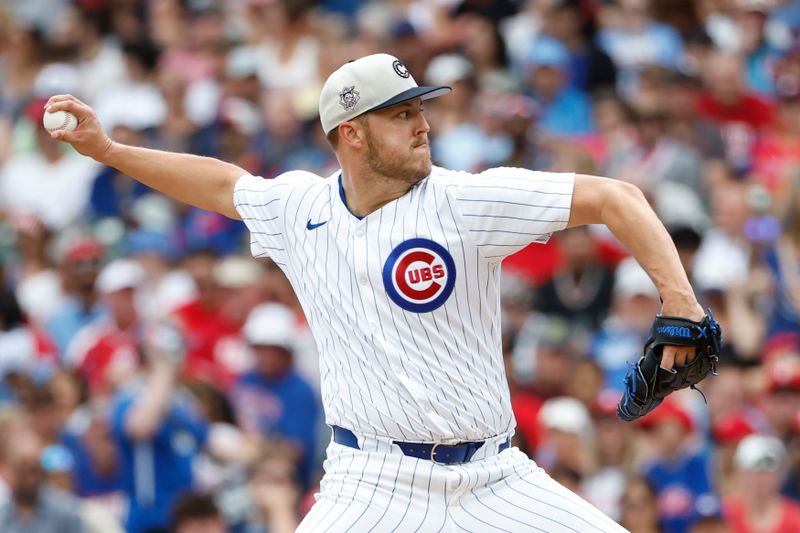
(377, 488)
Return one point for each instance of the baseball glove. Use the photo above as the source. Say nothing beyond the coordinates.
(647, 384)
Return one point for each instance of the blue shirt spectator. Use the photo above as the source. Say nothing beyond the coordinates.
(633, 48)
(272, 399)
(564, 110)
(157, 470)
(113, 193)
(680, 472)
(69, 320)
(93, 476)
(684, 490)
(569, 113)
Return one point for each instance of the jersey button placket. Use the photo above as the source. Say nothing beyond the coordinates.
(360, 257)
(362, 274)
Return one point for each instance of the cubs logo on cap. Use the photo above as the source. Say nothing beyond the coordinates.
(419, 275)
(400, 68)
(367, 84)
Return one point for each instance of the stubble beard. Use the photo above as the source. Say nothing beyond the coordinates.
(410, 169)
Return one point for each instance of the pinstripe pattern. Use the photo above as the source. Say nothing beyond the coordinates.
(388, 371)
(384, 492)
(413, 373)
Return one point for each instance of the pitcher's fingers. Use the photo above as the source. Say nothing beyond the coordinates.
(64, 135)
(56, 98)
(76, 107)
(685, 355)
(66, 104)
(681, 355)
(668, 357)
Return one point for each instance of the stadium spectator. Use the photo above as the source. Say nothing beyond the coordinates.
(79, 267)
(741, 115)
(580, 292)
(272, 399)
(758, 505)
(106, 351)
(565, 110)
(49, 181)
(679, 472)
(590, 69)
(639, 507)
(33, 505)
(196, 513)
(157, 434)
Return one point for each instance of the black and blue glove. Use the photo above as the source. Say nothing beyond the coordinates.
(647, 384)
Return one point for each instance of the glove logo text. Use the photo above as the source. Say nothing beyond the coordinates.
(676, 331)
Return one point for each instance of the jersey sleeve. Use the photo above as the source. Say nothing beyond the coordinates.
(506, 209)
(260, 202)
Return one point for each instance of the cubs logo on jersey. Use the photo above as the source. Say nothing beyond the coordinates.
(419, 275)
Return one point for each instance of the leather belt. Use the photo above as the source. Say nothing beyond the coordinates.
(446, 454)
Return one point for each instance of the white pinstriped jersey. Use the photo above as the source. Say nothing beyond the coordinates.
(404, 303)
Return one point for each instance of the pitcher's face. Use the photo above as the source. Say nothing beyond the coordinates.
(397, 142)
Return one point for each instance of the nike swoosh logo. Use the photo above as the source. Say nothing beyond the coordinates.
(311, 226)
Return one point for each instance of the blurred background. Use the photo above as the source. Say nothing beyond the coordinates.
(213, 422)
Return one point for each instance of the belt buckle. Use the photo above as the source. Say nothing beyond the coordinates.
(433, 453)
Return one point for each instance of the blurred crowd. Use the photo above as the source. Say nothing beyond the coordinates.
(155, 377)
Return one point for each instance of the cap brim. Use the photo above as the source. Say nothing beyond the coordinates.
(424, 92)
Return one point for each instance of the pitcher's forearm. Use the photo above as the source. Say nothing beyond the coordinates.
(199, 181)
(630, 218)
(623, 208)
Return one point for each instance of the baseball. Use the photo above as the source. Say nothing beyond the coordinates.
(59, 120)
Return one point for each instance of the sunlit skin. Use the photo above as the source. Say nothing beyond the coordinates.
(383, 154)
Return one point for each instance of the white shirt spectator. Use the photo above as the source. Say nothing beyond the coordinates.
(721, 261)
(40, 295)
(56, 192)
(114, 107)
(104, 70)
(298, 71)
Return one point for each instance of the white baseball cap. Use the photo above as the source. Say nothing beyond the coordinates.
(568, 415)
(236, 272)
(270, 324)
(632, 280)
(118, 275)
(367, 84)
(760, 452)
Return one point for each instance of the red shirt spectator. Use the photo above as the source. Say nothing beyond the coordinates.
(101, 353)
(740, 124)
(786, 518)
(740, 114)
(106, 351)
(208, 334)
(526, 407)
(750, 110)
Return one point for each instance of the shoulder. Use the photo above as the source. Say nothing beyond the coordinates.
(445, 177)
(291, 179)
